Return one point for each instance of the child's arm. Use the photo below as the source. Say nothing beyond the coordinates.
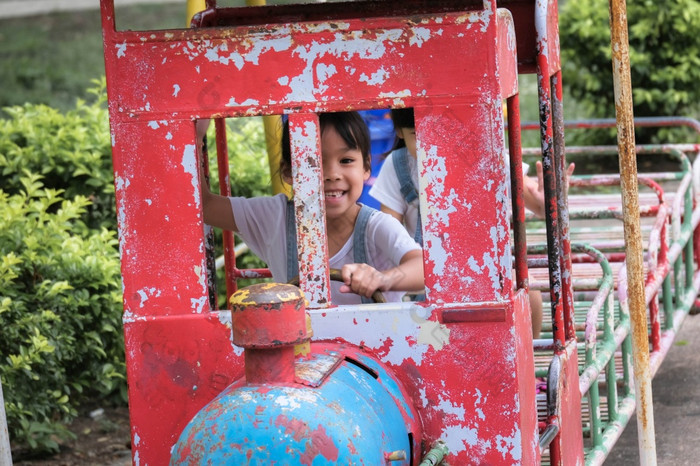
(391, 212)
(533, 193)
(363, 279)
(216, 209)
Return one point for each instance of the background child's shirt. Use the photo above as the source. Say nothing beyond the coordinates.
(387, 190)
(261, 223)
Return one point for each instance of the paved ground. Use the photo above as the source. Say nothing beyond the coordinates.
(676, 393)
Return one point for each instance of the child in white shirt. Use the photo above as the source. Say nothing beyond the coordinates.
(394, 262)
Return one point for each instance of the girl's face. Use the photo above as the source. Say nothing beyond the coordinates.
(343, 174)
(409, 137)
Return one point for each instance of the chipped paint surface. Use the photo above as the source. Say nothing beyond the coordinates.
(390, 333)
(162, 81)
(309, 207)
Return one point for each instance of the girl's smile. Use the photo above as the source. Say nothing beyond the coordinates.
(343, 174)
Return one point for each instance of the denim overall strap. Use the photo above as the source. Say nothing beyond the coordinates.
(408, 189)
(291, 231)
(359, 243)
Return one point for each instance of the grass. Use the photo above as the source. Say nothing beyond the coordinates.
(51, 59)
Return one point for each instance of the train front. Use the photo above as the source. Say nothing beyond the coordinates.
(300, 404)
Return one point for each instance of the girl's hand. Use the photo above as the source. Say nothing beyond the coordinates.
(363, 279)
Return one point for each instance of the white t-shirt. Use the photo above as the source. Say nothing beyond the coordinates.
(261, 223)
(387, 190)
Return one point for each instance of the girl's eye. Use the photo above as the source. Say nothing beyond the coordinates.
(347, 160)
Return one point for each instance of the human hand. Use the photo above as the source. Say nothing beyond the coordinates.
(362, 279)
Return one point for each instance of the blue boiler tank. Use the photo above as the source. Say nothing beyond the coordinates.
(334, 405)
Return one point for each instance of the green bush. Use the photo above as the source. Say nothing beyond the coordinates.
(664, 58)
(70, 150)
(60, 312)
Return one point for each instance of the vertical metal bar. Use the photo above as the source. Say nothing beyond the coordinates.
(225, 190)
(209, 242)
(654, 321)
(666, 285)
(688, 226)
(5, 455)
(594, 412)
(633, 236)
(677, 287)
(563, 203)
(668, 303)
(550, 205)
(517, 187)
(309, 208)
(610, 373)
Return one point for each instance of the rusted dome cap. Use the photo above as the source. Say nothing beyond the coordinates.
(268, 315)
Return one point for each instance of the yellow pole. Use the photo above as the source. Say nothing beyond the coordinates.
(194, 6)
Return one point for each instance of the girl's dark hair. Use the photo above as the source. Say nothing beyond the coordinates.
(402, 118)
(349, 125)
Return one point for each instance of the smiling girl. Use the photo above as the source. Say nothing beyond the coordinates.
(372, 249)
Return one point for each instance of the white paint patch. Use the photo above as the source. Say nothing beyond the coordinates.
(121, 50)
(121, 183)
(449, 408)
(423, 397)
(434, 334)
(246, 103)
(149, 202)
(348, 47)
(284, 80)
(169, 136)
(457, 438)
(377, 78)
(419, 36)
(295, 398)
(437, 252)
(392, 328)
(281, 41)
(146, 293)
(323, 71)
(189, 163)
(197, 305)
(176, 90)
(153, 124)
(510, 445)
(397, 96)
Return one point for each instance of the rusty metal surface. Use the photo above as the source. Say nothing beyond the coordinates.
(628, 170)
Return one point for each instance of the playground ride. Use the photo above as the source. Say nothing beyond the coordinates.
(451, 377)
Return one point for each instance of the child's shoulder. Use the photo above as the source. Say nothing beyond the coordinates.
(260, 205)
